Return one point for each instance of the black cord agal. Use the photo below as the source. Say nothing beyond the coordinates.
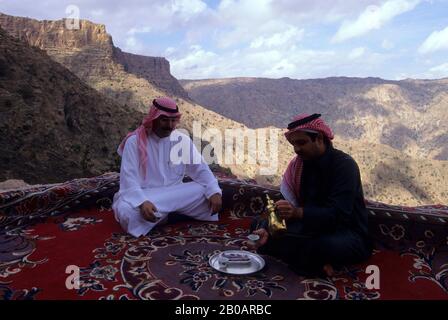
(158, 106)
(299, 122)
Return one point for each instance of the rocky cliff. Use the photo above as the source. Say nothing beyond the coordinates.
(54, 127)
(130, 80)
(89, 52)
(154, 69)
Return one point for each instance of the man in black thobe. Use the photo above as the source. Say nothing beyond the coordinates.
(324, 206)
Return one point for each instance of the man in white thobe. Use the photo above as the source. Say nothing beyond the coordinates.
(152, 171)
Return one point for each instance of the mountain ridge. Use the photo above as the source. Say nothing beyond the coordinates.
(371, 109)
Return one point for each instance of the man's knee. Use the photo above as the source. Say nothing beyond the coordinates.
(285, 248)
(195, 188)
(336, 249)
(125, 212)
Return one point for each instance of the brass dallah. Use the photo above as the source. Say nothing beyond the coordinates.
(276, 225)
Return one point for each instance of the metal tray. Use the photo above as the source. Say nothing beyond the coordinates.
(256, 263)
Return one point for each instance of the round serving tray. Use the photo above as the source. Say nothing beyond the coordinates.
(256, 263)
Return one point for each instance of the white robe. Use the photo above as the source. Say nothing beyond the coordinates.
(163, 185)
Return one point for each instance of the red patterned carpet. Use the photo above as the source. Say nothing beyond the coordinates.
(44, 230)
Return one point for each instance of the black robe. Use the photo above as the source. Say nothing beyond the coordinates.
(334, 227)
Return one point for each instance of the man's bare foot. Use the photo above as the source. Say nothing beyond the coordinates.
(328, 269)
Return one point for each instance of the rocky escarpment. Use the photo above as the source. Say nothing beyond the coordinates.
(54, 126)
(89, 52)
(154, 69)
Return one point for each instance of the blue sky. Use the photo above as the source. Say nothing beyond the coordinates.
(302, 39)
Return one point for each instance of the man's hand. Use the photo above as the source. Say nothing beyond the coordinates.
(215, 202)
(264, 235)
(147, 210)
(288, 211)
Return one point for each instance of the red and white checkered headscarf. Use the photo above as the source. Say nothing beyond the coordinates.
(160, 106)
(293, 173)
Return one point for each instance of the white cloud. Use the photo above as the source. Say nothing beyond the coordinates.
(289, 37)
(159, 16)
(244, 37)
(373, 17)
(249, 13)
(243, 21)
(320, 11)
(435, 72)
(356, 53)
(438, 40)
(241, 35)
(386, 44)
(197, 63)
(294, 62)
(252, 21)
(231, 24)
(133, 45)
(133, 31)
(97, 13)
(170, 51)
(188, 9)
(439, 71)
(281, 68)
(440, 68)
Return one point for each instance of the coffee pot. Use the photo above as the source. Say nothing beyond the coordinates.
(276, 225)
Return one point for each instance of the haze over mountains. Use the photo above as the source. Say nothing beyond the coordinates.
(389, 127)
